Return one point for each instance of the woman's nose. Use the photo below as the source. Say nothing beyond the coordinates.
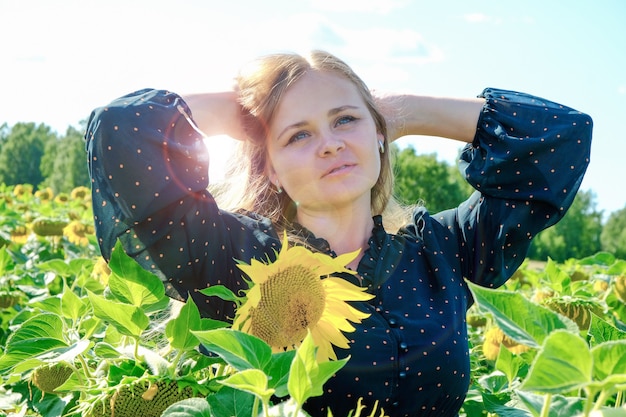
(330, 144)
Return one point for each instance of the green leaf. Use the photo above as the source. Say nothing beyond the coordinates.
(600, 258)
(560, 406)
(5, 261)
(520, 319)
(106, 351)
(228, 402)
(307, 377)
(240, 350)
(617, 268)
(128, 319)
(253, 381)
(303, 367)
(609, 358)
(72, 306)
(58, 266)
(130, 283)
(191, 407)
(508, 363)
(278, 372)
(563, 364)
(601, 331)
(222, 292)
(178, 330)
(36, 336)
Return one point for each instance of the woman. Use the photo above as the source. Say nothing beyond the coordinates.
(315, 162)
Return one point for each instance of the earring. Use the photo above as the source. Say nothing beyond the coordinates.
(381, 146)
(279, 189)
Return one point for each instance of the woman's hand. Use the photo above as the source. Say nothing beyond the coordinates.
(217, 113)
(408, 114)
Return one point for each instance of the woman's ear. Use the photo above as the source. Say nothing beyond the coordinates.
(381, 142)
(271, 175)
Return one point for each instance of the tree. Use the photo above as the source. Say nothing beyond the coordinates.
(613, 236)
(64, 164)
(21, 152)
(577, 235)
(422, 178)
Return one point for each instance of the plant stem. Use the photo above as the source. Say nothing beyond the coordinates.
(85, 367)
(137, 349)
(176, 360)
(545, 410)
(589, 403)
(255, 406)
(619, 399)
(601, 399)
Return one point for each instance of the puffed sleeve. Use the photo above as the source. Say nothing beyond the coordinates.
(149, 170)
(526, 162)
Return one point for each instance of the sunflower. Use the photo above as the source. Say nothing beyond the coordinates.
(495, 338)
(77, 232)
(80, 193)
(45, 194)
(101, 271)
(20, 234)
(295, 294)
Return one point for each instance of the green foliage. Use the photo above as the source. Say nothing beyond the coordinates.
(422, 178)
(21, 153)
(117, 333)
(64, 163)
(577, 235)
(613, 235)
(33, 154)
(568, 369)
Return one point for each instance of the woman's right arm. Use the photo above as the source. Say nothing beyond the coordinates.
(217, 113)
(149, 170)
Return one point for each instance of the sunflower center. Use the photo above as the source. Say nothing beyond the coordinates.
(291, 301)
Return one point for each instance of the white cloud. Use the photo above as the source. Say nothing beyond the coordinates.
(621, 89)
(476, 18)
(365, 6)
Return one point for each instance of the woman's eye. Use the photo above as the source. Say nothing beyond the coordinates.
(344, 120)
(296, 137)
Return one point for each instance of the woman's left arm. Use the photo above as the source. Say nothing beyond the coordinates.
(410, 114)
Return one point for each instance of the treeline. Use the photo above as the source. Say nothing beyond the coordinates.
(34, 154)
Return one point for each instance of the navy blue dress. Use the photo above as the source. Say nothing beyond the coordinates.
(149, 170)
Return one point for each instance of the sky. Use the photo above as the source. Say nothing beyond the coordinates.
(61, 59)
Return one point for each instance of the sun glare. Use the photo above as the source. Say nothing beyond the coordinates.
(221, 148)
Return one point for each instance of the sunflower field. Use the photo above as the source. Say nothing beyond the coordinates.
(79, 337)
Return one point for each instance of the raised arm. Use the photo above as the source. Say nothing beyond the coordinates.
(216, 113)
(409, 114)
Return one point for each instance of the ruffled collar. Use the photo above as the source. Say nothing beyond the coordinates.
(379, 260)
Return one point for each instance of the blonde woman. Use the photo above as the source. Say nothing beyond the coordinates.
(314, 162)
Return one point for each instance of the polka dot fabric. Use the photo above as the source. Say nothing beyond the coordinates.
(149, 171)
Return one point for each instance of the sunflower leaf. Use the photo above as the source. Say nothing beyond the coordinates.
(132, 284)
(307, 377)
(222, 292)
(251, 380)
(128, 319)
(178, 330)
(238, 349)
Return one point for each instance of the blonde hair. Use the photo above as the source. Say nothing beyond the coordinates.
(261, 86)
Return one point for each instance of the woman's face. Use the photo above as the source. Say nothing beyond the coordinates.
(323, 144)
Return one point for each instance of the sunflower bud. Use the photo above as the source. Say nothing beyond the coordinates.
(49, 377)
(575, 308)
(141, 398)
(620, 287)
(48, 227)
(8, 299)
